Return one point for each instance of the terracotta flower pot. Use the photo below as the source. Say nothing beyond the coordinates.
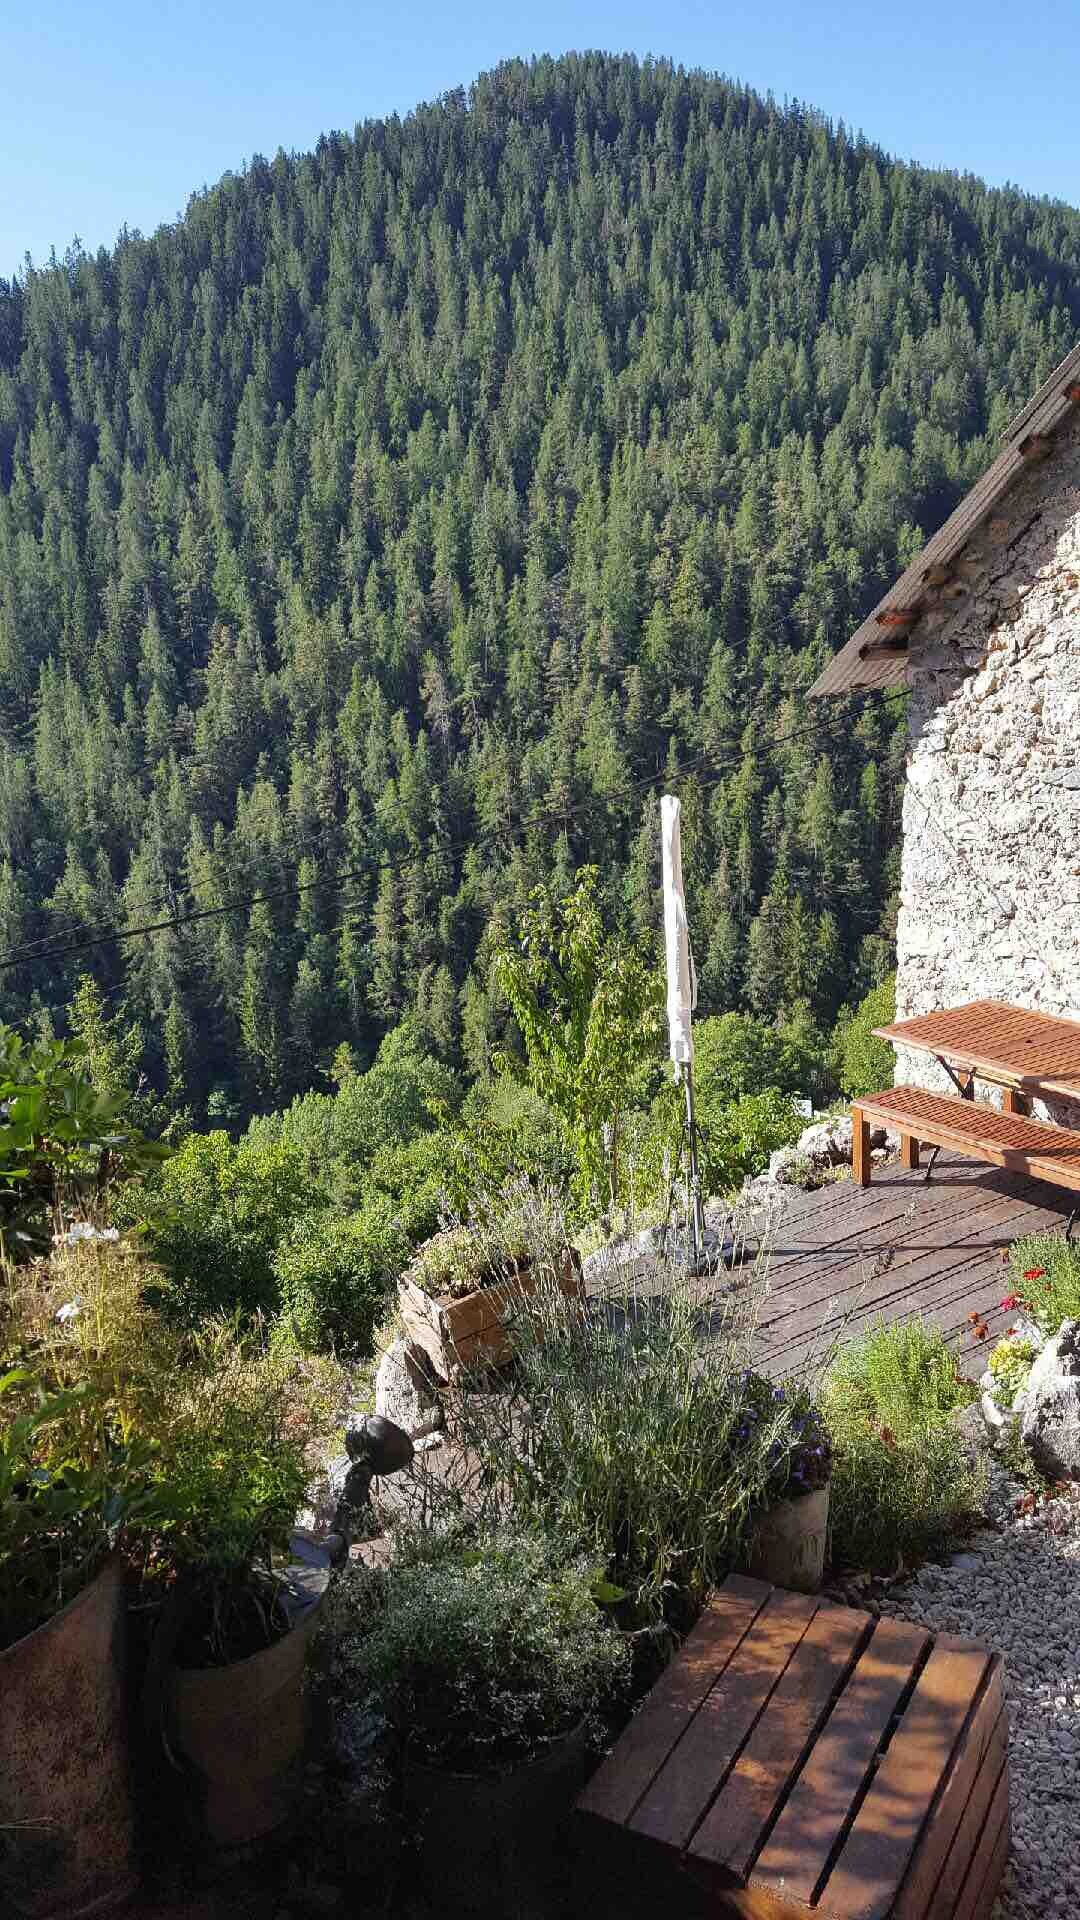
(487, 1841)
(66, 1816)
(243, 1728)
(788, 1545)
(473, 1330)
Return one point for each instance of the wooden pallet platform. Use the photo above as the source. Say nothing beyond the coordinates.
(799, 1758)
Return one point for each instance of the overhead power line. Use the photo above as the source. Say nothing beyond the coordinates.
(333, 882)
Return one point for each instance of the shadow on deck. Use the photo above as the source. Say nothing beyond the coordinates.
(844, 1256)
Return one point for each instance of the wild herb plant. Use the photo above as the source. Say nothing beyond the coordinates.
(479, 1653)
(904, 1483)
(636, 1431)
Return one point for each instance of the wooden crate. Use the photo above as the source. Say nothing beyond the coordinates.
(799, 1758)
(475, 1330)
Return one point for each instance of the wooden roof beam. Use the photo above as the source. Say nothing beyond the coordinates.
(1035, 447)
(897, 617)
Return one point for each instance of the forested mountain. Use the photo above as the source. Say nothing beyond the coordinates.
(382, 536)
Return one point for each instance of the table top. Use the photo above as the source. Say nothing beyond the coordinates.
(1012, 1046)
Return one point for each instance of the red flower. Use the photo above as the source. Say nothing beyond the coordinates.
(1035, 1273)
(1010, 1301)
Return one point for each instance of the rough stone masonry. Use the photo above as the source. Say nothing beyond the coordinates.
(990, 882)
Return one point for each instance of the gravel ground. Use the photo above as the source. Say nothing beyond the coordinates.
(1019, 1591)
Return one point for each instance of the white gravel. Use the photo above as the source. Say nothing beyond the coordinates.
(1019, 1591)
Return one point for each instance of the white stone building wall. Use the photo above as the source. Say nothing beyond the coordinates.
(990, 880)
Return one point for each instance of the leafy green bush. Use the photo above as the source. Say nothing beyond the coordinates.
(505, 1131)
(480, 1655)
(219, 1214)
(735, 1054)
(904, 1484)
(736, 1138)
(1044, 1271)
(863, 1064)
(335, 1274)
(902, 1373)
(65, 1145)
(404, 1094)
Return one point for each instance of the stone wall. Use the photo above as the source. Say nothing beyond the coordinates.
(990, 886)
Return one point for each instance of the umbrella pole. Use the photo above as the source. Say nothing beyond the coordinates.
(695, 1210)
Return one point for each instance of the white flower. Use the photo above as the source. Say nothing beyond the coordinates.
(83, 1231)
(70, 1310)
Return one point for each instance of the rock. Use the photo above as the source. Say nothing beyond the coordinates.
(1051, 1419)
(992, 1414)
(404, 1390)
(827, 1143)
(324, 1496)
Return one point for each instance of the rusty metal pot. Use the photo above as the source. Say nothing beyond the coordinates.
(242, 1729)
(66, 1817)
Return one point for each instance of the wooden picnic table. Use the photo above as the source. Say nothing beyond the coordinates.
(1024, 1052)
(1017, 1048)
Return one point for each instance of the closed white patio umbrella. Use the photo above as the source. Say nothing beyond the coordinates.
(681, 994)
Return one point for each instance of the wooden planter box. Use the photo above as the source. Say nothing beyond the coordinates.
(473, 1330)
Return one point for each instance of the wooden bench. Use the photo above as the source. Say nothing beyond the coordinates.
(803, 1758)
(947, 1120)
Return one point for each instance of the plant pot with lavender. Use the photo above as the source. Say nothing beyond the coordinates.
(789, 1537)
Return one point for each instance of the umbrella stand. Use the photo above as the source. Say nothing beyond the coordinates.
(695, 1212)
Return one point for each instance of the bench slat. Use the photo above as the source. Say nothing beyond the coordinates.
(797, 1852)
(628, 1772)
(737, 1824)
(888, 1825)
(686, 1783)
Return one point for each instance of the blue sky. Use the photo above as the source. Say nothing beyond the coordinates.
(114, 113)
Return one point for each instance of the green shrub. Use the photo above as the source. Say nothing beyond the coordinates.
(904, 1484)
(335, 1275)
(220, 1211)
(862, 1063)
(415, 1181)
(480, 1655)
(735, 1054)
(736, 1138)
(405, 1093)
(1044, 1274)
(901, 1373)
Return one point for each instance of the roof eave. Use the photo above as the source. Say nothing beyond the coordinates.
(868, 660)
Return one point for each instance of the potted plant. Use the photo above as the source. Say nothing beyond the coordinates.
(487, 1663)
(789, 1536)
(224, 1696)
(71, 1471)
(459, 1295)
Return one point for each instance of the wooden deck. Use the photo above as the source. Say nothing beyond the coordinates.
(845, 1255)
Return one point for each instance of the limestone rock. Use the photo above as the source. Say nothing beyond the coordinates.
(324, 1495)
(1051, 1419)
(404, 1391)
